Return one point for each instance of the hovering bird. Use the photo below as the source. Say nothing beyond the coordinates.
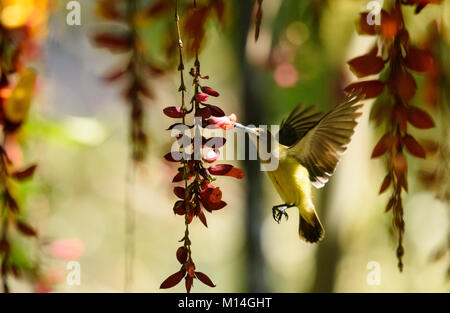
(310, 146)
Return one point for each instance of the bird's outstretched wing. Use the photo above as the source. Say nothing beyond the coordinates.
(321, 146)
(298, 123)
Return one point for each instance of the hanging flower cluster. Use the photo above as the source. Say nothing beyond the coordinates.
(138, 69)
(21, 24)
(198, 192)
(396, 60)
(126, 20)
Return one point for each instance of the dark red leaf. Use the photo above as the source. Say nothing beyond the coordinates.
(115, 75)
(203, 112)
(173, 280)
(173, 111)
(26, 229)
(219, 6)
(179, 208)
(390, 204)
(108, 9)
(369, 88)
(202, 218)
(383, 145)
(403, 182)
(215, 142)
(204, 279)
(175, 156)
(420, 60)
(226, 170)
(27, 173)
(4, 246)
(182, 255)
(405, 85)
(211, 206)
(365, 65)
(179, 192)
(12, 203)
(215, 110)
(114, 42)
(419, 118)
(236, 173)
(189, 281)
(158, 7)
(194, 27)
(258, 18)
(155, 70)
(210, 91)
(178, 177)
(386, 183)
(220, 169)
(413, 146)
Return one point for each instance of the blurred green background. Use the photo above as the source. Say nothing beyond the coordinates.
(78, 135)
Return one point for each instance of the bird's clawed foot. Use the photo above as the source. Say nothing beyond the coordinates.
(279, 211)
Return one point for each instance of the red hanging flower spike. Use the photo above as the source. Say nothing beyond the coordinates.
(397, 112)
(198, 193)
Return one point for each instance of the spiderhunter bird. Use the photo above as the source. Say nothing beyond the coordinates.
(309, 149)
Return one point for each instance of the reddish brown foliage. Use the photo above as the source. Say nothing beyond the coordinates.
(395, 112)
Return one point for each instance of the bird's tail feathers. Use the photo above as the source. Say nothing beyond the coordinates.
(310, 229)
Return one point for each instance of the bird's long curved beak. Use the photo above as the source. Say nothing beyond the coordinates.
(247, 129)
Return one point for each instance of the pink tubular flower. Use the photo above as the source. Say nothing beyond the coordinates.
(224, 122)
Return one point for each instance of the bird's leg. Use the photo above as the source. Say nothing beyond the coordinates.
(279, 211)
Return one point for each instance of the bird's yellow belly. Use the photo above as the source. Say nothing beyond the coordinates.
(291, 180)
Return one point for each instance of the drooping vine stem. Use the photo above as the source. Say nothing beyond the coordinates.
(182, 90)
(198, 192)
